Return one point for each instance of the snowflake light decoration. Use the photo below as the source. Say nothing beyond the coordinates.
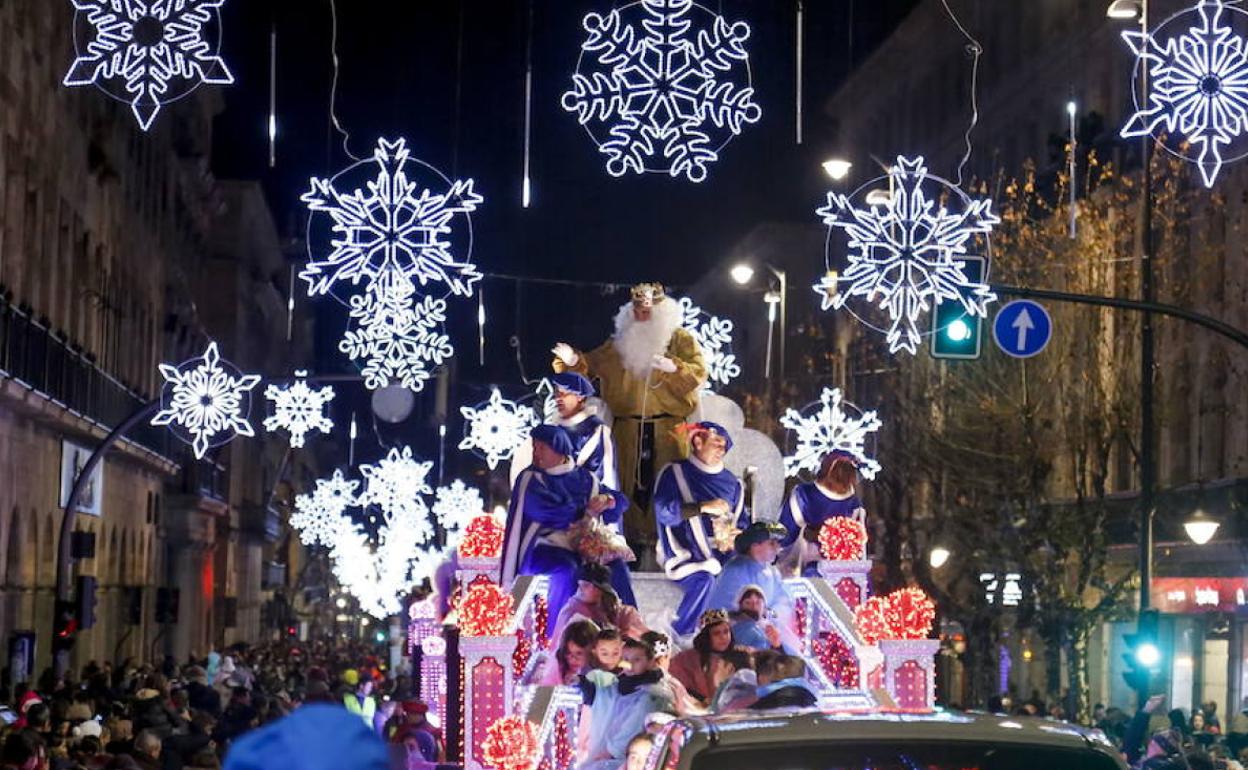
(714, 336)
(396, 484)
(827, 427)
(379, 575)
(391, 225)
(495, 428)
(906, 253)
(661, 86)
(319, 516)
(456, 505)
(397, 338)
(298, 409)
(1198, 84)
(147, 52)
(206, 401)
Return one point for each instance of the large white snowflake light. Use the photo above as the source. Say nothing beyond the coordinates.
(495, 428)
(147, 52)
(319, 516)
(298, 409)
(1198, 84)
(456, 505)
(662, 86)
(825, 427)
(396, 484)
(391, 224)
(714, 336)
(906, 253)
(397, 338)
(205, 401)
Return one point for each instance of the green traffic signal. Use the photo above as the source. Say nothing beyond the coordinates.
(955, 333)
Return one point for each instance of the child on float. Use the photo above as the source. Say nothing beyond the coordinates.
(608, 651)
(621, 704)
(662, 646)
(595, 599)
(714, 658)
(572, 656)
(833, 493)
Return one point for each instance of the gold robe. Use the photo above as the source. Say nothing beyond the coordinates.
(665, 399)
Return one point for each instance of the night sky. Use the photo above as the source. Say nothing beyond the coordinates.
(402, 75)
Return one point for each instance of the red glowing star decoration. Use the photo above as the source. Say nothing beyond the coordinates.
(871, 618)
(910, 614)
(511, 744)
(843, 539)
(485, 611)
(483, 538)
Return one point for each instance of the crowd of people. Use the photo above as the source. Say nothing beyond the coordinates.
(227, 708)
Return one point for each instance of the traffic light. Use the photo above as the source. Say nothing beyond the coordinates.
(1143, 656)
(84, 610)
(65, 625)
(955, 332)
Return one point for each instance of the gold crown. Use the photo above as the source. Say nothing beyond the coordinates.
(647, 294)
(711, 617)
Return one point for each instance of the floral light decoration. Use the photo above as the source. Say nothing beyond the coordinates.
(511, 743)
(910, 613)
(206, 400)
(456, 505)
(843, 539)
(483, 538)
(299, 409)
(485, 611)
(496, 428)
(871, 619)
(829, 425)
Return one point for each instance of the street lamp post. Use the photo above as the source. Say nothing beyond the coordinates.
(742, 274)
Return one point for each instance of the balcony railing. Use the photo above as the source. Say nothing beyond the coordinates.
(46, 362)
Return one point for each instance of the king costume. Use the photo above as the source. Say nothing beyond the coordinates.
(686, 549)
(544, 504)
(650, 374)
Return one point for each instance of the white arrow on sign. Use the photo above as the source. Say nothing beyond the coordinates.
(1022, 325)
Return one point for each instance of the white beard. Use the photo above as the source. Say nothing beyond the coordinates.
(638, 342)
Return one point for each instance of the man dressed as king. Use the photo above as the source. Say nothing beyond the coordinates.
(650, 373)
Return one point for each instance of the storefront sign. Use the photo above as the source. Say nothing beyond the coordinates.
(1189, 595)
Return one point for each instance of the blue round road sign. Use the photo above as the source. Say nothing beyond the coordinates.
(1022, 329)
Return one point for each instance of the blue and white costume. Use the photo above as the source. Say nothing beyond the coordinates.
(591, 437)
(544, 504)
(686, 535)
(810, 505)
(741, 571)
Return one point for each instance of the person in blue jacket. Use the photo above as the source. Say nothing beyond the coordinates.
(689, 496)
(549, 497)
(833, 493)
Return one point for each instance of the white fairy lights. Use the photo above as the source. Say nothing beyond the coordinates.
(495, 429)
(299, 409)
(661, 86)
(319, 516)
(456, 505)
(1197, 83)
(905, 251)
(828, 426)
(205, 401)
(147, 53)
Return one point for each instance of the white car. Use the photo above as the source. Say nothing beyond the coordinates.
(809, 739)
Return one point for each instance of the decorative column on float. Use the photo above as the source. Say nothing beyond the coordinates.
(487, 643)
(843, 546)
(900, 624)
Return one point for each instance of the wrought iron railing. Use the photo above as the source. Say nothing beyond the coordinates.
(45, 361)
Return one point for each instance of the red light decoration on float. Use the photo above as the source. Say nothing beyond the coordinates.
(511, 744)
(564, 754)
(850, 592)
(801, 616)
(524, 650)
(541, 612)
(843, 539)
(483, 538)
(837, 660)
(910, 685)
(910, 614)
(485, 611)
(871, 618)
(489, 706)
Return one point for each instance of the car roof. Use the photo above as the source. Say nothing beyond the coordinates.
(788, 726)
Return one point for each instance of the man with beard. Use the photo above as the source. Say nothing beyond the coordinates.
(650, 373)
(691, 498)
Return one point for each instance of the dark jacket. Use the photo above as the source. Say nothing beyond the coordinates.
(786, 697)
(201, 697)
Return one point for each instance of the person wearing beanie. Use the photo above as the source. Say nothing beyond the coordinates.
(690, 497)
(548, 498)
(592, 443)
(832, 494)
(314, 737)
(753, 565)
